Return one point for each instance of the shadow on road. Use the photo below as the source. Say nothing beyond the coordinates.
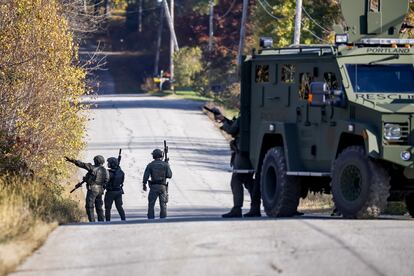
(213, 214)
(139, 102)
(205, 153)
(209, 214)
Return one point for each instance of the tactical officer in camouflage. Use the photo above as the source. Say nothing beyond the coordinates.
(96, 179)
(241, 165)
(159, 171)
(114, 189)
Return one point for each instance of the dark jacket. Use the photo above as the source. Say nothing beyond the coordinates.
(239, 160)
(116, 180)
(159, 171)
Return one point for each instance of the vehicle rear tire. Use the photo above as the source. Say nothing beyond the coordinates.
(360, 186)
(409, 203)
(280, 192)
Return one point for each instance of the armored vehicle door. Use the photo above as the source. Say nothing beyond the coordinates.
(315, 122)
(268, 100)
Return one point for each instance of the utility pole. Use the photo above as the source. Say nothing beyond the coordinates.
(170, 25)
(298, 22)
(157, 54)
(140, 16)
(242, 33)
(172, 38)
(211, 30)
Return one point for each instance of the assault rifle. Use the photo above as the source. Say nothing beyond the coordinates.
(119, 157)
(166, 159)
(119, 164)
(216, 112)
(77, 186)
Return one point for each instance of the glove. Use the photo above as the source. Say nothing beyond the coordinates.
(144, 187)
(219, 117)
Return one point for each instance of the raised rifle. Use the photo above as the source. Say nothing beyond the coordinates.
(119, 157)
(166, 159)
(119, 164)
(216, 112)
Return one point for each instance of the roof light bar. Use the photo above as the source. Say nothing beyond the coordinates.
(387, 41)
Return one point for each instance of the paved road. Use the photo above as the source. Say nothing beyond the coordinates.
(194, 240)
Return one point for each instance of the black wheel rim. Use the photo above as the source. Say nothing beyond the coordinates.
(351, 183)
(270, 182)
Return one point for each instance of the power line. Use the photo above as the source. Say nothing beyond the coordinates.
(269, 13)
(278, 18)
(229, 9)
(314, 21)
(314, 35)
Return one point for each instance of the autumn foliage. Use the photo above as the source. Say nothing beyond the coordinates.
(41, 117)
(40, 86)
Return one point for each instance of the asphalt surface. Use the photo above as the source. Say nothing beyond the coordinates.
(194, 239)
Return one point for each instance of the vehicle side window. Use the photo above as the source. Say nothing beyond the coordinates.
(288, 73)
(262, 74)
(304, 88)
(331, 80)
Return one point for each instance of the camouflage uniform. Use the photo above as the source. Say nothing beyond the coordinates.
(159, 171)
(114, 189)
(241, 162)
(96, 178)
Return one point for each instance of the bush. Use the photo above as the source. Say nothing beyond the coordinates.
(188, 65)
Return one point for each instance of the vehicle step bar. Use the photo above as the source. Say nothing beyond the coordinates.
(319, 174)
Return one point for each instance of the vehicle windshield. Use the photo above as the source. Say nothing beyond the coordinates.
(389, 78)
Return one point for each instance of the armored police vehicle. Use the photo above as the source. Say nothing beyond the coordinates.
(334, 118)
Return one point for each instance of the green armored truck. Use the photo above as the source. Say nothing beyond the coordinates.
(334, 118)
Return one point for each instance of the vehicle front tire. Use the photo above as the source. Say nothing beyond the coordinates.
(360, 185)
(280, 192)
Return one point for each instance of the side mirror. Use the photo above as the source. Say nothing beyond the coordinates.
(318, 94)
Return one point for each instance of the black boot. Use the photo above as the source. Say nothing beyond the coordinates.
(234, 213)
(253, 213)
(336, 213)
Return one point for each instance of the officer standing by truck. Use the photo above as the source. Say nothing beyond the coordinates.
(95, 179)
(241, 172)
(158, 170)
(114, 189)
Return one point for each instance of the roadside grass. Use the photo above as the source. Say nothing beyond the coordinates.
(29, 211)
(316, 203)
(182, 94)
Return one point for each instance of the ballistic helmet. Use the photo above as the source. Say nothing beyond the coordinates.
(112, 162)
(157, 153)
(99, 160)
